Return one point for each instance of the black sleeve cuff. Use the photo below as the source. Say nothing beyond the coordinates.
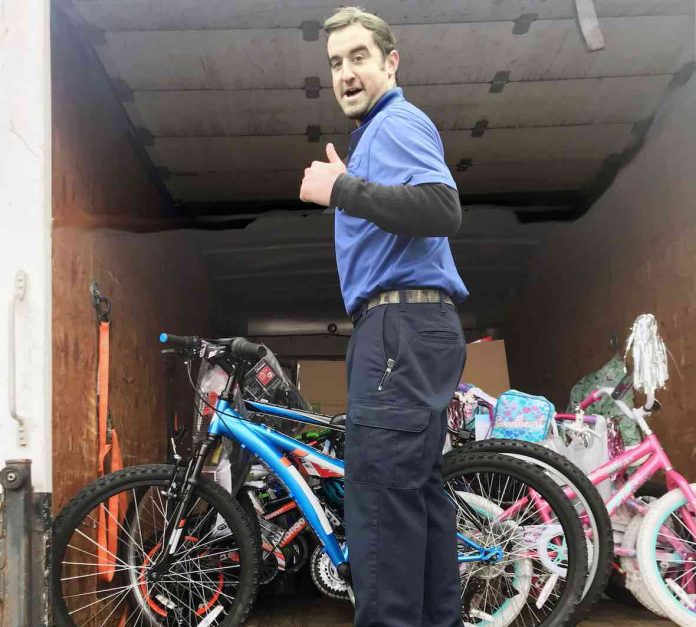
(343, 189)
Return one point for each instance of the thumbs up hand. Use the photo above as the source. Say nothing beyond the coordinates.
(320, 177)
(332, 154)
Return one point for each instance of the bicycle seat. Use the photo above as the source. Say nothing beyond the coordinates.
(339, 420)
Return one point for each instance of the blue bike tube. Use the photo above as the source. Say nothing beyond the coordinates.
(228, 423)
(491, 554)
(293, 414)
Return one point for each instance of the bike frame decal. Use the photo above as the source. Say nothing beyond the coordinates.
(316, 465)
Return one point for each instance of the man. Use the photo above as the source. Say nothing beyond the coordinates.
(396, 204)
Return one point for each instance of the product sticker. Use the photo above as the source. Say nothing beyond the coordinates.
(265, 375)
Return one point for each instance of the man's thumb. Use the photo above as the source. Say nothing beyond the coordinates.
(332, 154)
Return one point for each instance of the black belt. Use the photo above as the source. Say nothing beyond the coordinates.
(394, 296)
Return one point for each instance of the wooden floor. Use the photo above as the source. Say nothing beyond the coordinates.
(303, 606)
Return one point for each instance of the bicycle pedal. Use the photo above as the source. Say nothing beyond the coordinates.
(351, 596)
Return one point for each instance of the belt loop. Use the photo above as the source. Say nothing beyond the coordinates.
(402, 300)
(442, 301)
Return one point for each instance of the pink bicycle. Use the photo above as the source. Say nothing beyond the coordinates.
(658, 551)
(656, 543)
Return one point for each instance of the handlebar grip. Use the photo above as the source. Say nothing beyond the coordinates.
(591, 399)
(244, 349)
(187, 341)
(623, 386)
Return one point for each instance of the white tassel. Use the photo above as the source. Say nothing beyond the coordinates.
(649, 355)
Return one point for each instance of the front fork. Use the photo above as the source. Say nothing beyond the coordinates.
(182, 495)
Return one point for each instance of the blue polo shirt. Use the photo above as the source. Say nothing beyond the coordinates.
(396, 144)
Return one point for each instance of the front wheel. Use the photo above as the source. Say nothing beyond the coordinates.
(522, 552)
(666, 554)
(211, 577)
(587, 502)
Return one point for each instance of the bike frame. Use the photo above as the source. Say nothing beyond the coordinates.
(275, 449)
(272, 447)
(652, 457)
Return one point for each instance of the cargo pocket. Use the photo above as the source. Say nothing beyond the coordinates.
(385, 444)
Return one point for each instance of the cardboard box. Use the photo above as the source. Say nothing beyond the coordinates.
(486, 367)
(324, 384)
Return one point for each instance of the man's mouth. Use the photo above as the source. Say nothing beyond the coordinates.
(349, 93)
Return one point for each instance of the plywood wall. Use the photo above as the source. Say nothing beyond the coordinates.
(156, 280)
(633, 253)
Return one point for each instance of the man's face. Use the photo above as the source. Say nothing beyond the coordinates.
(361, 75)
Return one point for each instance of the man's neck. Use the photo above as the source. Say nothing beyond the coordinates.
(359, 121)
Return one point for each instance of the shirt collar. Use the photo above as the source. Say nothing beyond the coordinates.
(395, 93)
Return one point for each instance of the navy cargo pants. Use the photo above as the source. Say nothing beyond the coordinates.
(400, 526)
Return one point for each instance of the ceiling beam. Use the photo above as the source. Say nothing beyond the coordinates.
(463, 128)
(538, 200)
(331, 270)
(119, 16)
(328, 246)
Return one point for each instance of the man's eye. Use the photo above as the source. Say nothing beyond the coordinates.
(358, 59)
(335, 65)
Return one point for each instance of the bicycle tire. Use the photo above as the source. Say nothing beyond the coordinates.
(616, 588)
(138, 479)
(590, 500)
(658, 515)
(461, 462)
(634, 582)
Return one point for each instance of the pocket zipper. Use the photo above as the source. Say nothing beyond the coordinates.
(387, 372)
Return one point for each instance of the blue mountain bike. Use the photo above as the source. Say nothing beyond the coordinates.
(179, 549)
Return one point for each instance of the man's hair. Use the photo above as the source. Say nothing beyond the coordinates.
(381, 33)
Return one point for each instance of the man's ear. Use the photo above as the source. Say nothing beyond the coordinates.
(393, 62)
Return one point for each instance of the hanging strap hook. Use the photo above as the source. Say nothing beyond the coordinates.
(101, 304)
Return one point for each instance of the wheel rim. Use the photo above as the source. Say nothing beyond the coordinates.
(201, 581)
(675, 570)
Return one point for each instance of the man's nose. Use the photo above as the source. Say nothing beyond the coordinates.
(347, 73)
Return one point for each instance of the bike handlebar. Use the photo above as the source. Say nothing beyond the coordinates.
(240, 347)
(590, 419)
(243, 348)
(185, 341)
(593, 397)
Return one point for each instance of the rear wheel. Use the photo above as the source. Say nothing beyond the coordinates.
(617, 588)
(536, 565)
(212, 577)
(632, 577)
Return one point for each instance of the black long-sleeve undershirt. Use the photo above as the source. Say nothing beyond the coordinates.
(426, 210)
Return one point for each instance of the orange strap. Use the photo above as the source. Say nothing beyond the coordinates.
(111, 516)
(103, 392)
